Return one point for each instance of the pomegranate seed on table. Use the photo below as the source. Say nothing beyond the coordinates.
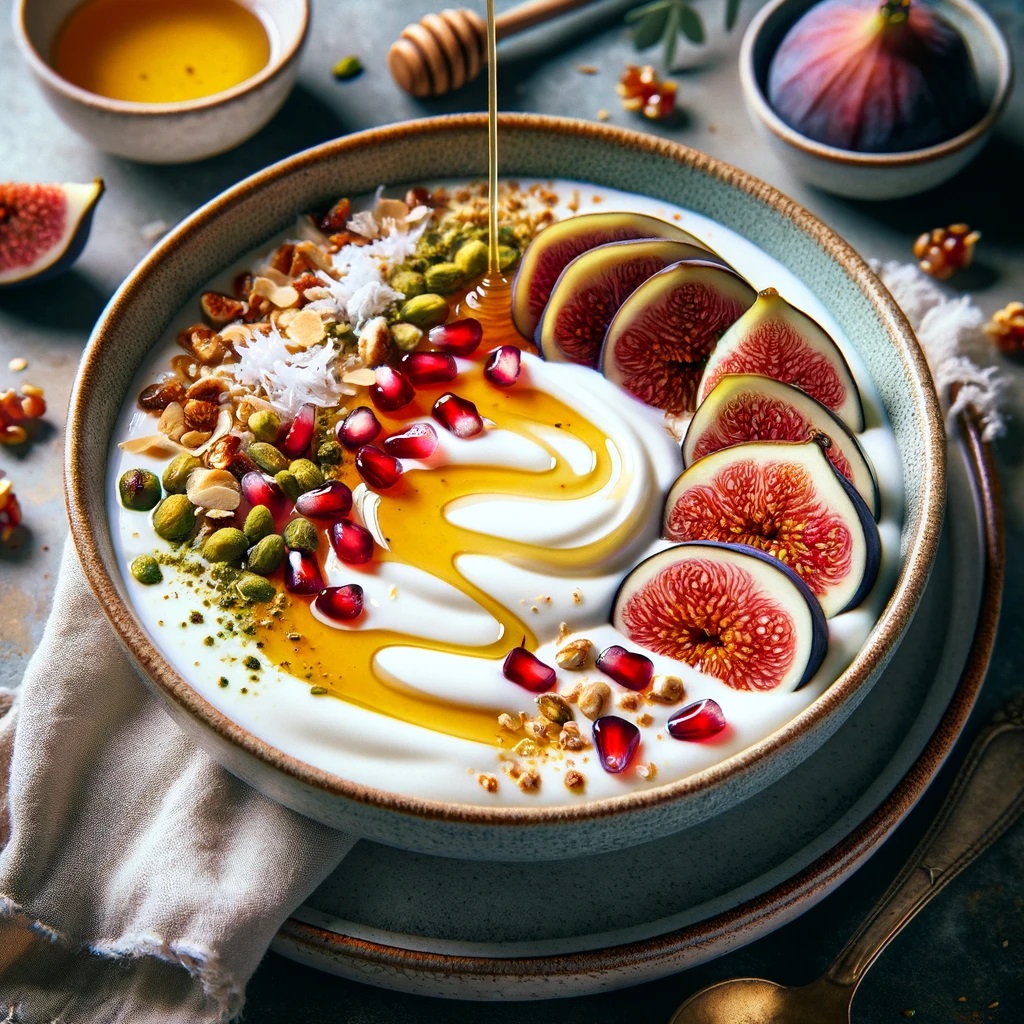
(377, 468)
(525, 668)
(458, 415)
(359, 427)
(616, 741)
(429, 367)
(352, 543)
(502, 369)
(302, 573)
(630, 670)
(325, 502)
(416, 442)
(392, 389)
(698, 721)
(300, 433)
(460, 337)
(340, 603)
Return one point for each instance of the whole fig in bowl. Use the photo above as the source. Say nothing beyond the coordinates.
(875, 76)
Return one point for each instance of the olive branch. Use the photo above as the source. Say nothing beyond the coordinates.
(665, 21)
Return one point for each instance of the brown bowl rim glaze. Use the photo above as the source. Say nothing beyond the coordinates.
(273, 69)
(1000, 49)
(892, 621)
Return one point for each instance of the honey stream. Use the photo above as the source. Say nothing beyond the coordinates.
(411, 517)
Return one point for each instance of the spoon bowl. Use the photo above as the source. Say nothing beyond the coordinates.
(756, 1001)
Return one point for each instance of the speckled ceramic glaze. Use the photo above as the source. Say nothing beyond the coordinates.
(237, 221)
(875, 175)
(163, 133)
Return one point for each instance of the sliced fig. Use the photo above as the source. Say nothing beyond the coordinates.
(561, 242)
(659, 340)
(776, 340)
(748, 407)
(590, 290)
(785, 499)
(43, 228)
(728, 610)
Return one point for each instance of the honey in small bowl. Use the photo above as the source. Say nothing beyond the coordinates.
(160, 51)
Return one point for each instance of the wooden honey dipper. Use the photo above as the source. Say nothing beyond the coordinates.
(442, 52)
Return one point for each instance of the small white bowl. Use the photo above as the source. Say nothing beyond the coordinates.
(875, 175)
(165, 133)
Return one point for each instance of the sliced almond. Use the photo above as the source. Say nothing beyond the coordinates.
(213, 489)
(156, 445)
(363, 377)
(306, 328)
(280, 295)
(237, 333)
(172, 421)
(225, 421)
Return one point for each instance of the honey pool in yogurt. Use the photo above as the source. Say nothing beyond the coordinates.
(514, 537)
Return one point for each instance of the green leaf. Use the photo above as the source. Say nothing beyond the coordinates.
(691, 25)
(672, 35)
(639, 12)
(649, 29)
(732, 12)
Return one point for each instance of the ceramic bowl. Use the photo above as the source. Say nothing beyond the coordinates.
(874, 175)
(166, 133)
(246, 216)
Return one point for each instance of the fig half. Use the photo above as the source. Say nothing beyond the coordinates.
(786, 500)
(729, 611)
(748, 407)
(874, 76)
(777, 340)
(659, 340)
(561, 242)
(590, 290)
(43, 228)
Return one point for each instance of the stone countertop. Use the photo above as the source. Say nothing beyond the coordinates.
(964, 954)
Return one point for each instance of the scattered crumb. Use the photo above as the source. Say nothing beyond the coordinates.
(602, 115)
(528, 780)
(993, 1004)
(712, 127)
(630, 701)
(392, 592)
(644, 720)
(488, 782)
(577, 596)
(153, 230)
(17, 364)
(574, 779)
(586, 69)
(563, 631)
(647, 771)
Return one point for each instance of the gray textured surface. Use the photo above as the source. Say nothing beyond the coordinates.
(969, 944)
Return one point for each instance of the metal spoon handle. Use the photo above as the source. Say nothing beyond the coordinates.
(986, 798)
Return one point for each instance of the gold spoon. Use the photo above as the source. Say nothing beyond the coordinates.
(986, 798)
(442, 52)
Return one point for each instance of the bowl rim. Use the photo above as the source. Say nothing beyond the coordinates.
(169, 684)
(759, 105)
(272, 70)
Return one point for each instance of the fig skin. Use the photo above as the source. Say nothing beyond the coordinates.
(874, 77)
(43, 228)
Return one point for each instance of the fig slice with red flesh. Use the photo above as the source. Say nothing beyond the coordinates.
(748, 407)
(785, 499)
(777, 340)
(729, 611)
(43, 228)
(561, 242)
(593, 286)
(658, 342)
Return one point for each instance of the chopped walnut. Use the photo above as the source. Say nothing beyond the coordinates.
(593, 698)
(572, 695)
(630, 701)
(488, 781)
(529, 781)
(574, 779)
(538, 729)
(510, 722)
(570, 737)
(577, 596)
(666, 689)
(644, 720)
(526, 748)
(574, 655)
(563, 631)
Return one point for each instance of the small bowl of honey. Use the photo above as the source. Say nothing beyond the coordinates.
(163, 81)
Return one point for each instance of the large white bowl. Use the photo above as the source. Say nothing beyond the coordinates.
(248, 214)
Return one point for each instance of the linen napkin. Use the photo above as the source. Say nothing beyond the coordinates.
(142, 883)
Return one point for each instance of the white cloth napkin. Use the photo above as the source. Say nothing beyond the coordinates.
(140, 883)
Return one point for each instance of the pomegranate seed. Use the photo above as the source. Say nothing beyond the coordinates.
(340, 603)
(352, 543)
(329, 501)
(377, 468)
(458, 415)
(616, 741)
(460, 337)
(392, 390)
(302, 573)
(502, 369)
(526, 669)
(698, 721)
(300, 433)
(261, 490)
(429, 367)
(631, 670)
(359, 427)
(416, 442)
